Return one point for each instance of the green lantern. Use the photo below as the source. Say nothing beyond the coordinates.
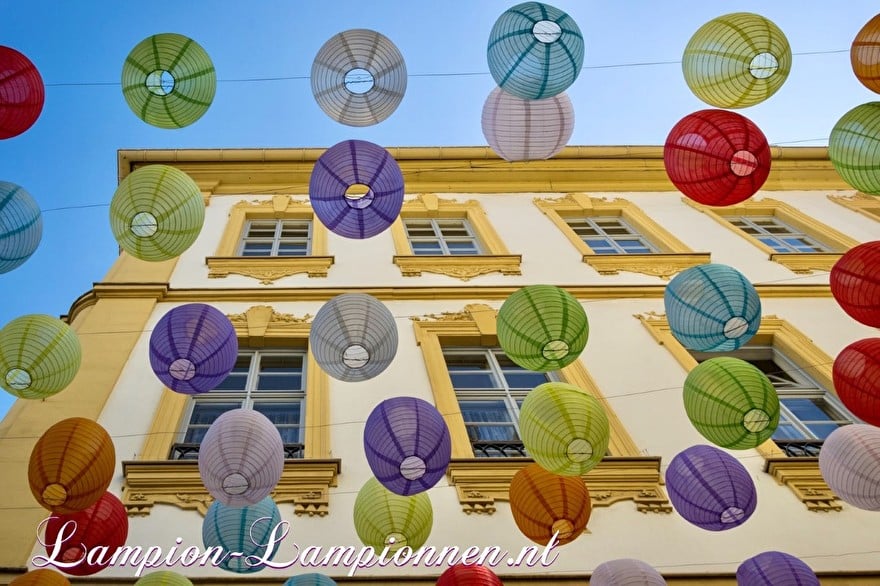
(168, 80)
(736, 60)
(563, 428)
(542, 328)
(854, 147)
(39, 356)
(163, 578)
(731, 403)
(157, 213)
(385, 519)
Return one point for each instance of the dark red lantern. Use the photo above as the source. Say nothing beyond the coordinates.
(468, 575)
(22, 93)
(855, 283)
(103, 525)
(717, 157)
(856, 375)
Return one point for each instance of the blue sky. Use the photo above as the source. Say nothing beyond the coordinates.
(631, 91)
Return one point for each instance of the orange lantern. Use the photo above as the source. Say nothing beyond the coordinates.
(544, 504)
(41, 578)
(71, 465)
(864, 55)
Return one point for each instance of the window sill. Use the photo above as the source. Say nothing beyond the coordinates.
(803, 477)
(268, 269)
(662, 265)
(462, 267)
(305, 483)
(804, 263)
(480, 482)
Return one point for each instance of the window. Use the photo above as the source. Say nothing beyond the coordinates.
(449, 238)
(616, 235)
(777, 234)
(271, 382)
(276, 238)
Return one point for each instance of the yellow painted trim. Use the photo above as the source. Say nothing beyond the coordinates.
(674, 255)
(803, 477)
(867, 205)
(803, 263)
(268, 269)
(165, 426)
(462, 267)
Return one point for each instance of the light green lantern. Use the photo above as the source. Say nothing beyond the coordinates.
(563, 428)
(736, 60)
(163, 578)
(731, 403)
(168, 80)
(39, 356)
(157, 213)
(385, 519)
(542, 328)
(854, 147)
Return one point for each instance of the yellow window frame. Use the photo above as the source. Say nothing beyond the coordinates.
(867, 205)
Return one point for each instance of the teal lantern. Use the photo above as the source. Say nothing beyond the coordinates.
(157, 213)
(736, 60)
(39, 356)
(21, 226)
(563, 428)
(163, 578)
(168, 80)
(310, 580)
(731, 403)
(385, 519)
(712, 308)
(854, 148)
(241, 530)
(542, 328)
(535, 51)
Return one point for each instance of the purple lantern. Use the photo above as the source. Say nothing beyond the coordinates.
(774, 568)
(407, 445)
(356, 189)
(193, 348)
(710, 488)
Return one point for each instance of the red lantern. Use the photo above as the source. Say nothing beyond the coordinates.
(717, 157)
(468, 575)
(104, 524)
(855, 283)
(856, 375)
(22, 93)
(864, 55)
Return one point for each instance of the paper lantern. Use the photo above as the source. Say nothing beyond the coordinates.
(310, 580)
(716, 157)
(71, 465)
(535, 51)
(775, 568)
(359, 77)
(21, 226)
(356, 189)
(626, 572)
(864, 54)
(854, 147)
(712, 308)
(39, 356)
(736, 60)
(468, 575)
(546, 504)
(710, 488)
(850, 464)
(22, 93)
(384, 519)
(241, 457)
(193, 348)
(542, 327)
(731, 403)
(856, 374)
(563, 428)
(407, 445)
(168, 80)
(527, 130)
(104, 525)
(244, 530)
(157, 213)
(855, 283)
(163, 578)
(353, 337)
(42, 577)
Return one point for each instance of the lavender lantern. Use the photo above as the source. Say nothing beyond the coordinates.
(193, 348)
(356, 189)
(407, 445)
(710, 488)
(626, 572)
(774, 568)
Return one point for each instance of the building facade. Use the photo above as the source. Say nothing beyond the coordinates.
(605, 224)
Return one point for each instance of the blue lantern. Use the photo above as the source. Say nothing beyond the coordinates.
(310, 580)
(21, 226)
(244, 530)
(712, 308)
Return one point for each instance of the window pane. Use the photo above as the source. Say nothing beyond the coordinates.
(237, 379)
(205, 412)
(461, 247)
(472, 380)
(773, 243)
(502, 433)
(293, 249)
(280, 413)
(290, 435)
(427, 248)
(298, 230)
(280, 373)
(525, 380)
(484, 411)
(634, 246)
(257, 249)
(806, 409)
